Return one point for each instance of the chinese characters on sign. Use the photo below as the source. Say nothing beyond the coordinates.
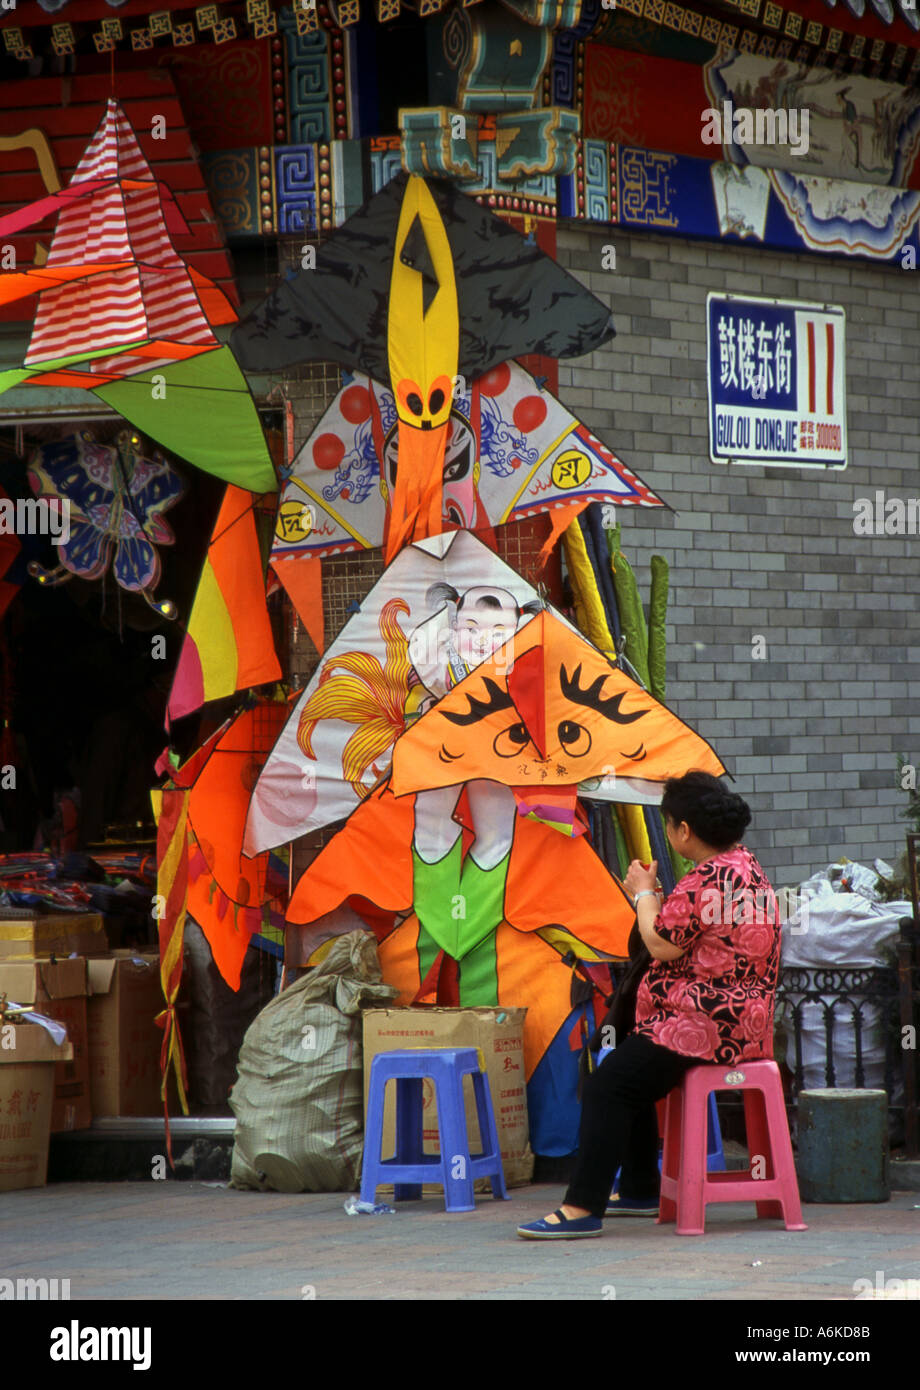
(776, 382)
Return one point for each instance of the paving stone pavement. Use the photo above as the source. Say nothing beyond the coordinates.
(191, 1241)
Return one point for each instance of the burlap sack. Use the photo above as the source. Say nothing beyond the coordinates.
(298, 1097)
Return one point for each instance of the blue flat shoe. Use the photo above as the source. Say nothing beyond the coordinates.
(568, 1228)
(631, 1206)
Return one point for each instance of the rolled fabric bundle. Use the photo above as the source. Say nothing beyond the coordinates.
(632, 618)
(657, 637)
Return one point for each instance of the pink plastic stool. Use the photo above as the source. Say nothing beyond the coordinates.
(686, 1186)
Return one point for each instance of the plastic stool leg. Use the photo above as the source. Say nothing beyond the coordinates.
(488, 1134)
(670, 1156)
(783, 1162)
(410, 1142)
(456, 1173)
(691, 1204)
(373, 1139)
(760, 1148)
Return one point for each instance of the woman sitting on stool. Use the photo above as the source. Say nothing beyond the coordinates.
(707, 996)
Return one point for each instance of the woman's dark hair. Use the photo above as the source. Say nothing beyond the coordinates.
(717, 816)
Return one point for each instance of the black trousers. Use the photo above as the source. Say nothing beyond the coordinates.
(619, 1126)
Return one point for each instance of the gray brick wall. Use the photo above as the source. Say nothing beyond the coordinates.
(811, 732)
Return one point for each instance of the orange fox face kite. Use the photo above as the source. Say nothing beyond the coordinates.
(551, 712)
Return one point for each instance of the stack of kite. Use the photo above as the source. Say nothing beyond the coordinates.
(457, 716)
(121, 314)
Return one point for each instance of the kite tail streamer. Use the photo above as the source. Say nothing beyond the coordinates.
(172, 892)
(586, 592)
(645, 649)
(416, 503)
(586, 586)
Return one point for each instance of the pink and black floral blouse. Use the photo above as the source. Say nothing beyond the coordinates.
(716, 1002)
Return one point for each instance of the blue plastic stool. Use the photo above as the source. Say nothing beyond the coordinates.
(715, 1156)
(411, 1166)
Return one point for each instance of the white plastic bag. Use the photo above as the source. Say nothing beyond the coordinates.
(842, 931)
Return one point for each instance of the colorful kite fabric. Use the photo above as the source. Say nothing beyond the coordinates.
(458, 603)
(228, 645)
(121, 314)
(116, 499)
(547, 711)
(422, 288)
(512, 299)
(200, 815)
(487, 709)
(171, 810)
(464, 837)
(512, 450)
(339, 738)
(232, 898)
(422, 329)
(489, 919)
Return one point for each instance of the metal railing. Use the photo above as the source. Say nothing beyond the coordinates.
(856, 1028)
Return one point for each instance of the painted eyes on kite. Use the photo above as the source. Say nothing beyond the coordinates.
(509, 742)
(457, 468)
(414, 403)
(435, 401)
(574, 738)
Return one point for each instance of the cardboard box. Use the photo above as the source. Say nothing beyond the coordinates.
(124, 1040)
(56, 934)
(58, 989)
(29, 1057)
(499, 1034)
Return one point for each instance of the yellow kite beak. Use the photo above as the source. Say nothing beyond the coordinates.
(423, 331)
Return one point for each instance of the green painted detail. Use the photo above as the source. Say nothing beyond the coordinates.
(16, 375)
(537, 142)
(13, 378)
(435, 141)
(458, 903)
(554, 14)
(619, 29)
(528, 144)
(483, 892)
(478, 984)
(350, 191)
(200, 409)
(504, 59)
(433, 889)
